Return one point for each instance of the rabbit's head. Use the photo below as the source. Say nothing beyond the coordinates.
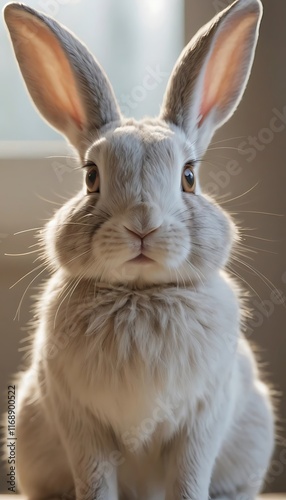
(141, 217)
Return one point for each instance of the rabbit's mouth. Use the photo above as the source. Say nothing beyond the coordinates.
(141, 259)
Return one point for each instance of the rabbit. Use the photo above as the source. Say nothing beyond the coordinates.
(141, 383)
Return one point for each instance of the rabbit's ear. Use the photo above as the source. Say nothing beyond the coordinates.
(211, 74)
(66, 83)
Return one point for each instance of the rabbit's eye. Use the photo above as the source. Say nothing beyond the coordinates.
(188, 179)
(92, 178)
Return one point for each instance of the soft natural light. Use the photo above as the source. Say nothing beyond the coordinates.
(155, 7)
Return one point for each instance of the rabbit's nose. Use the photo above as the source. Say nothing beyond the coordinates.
(143, 219)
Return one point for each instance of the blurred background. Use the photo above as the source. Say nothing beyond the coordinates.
(243, 169)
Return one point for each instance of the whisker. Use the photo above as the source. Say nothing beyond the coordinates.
(62, 156)
(229, 139)
(78, 256)
(257, 212)
(65, 198)
(260, 275)
(27, 288)
(81, 277)
(76, 224)
(257, 250)
(35, 244)
(182, 278)
(70, 285)
(244, 280)
(21, 254)
(243, 194)
(49, 201)
(28, 230)
(262, 239)
(224, 147)
(23, 277)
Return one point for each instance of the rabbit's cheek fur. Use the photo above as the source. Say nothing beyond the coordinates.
(189, 245)
(212, 233)
(67, 237)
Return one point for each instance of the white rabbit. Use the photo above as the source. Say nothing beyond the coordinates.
(141, 384)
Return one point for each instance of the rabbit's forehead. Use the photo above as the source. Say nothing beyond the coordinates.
(139, 146)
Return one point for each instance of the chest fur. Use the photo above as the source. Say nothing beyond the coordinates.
(134, 356)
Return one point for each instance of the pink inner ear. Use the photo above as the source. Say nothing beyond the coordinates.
(47, 68)
(225, 68)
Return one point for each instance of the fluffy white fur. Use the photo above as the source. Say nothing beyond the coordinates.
(141, 385)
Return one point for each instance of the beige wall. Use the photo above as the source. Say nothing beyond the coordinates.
(25, 188)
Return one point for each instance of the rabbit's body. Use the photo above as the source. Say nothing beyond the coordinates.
(145, 382)
(141, 385)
